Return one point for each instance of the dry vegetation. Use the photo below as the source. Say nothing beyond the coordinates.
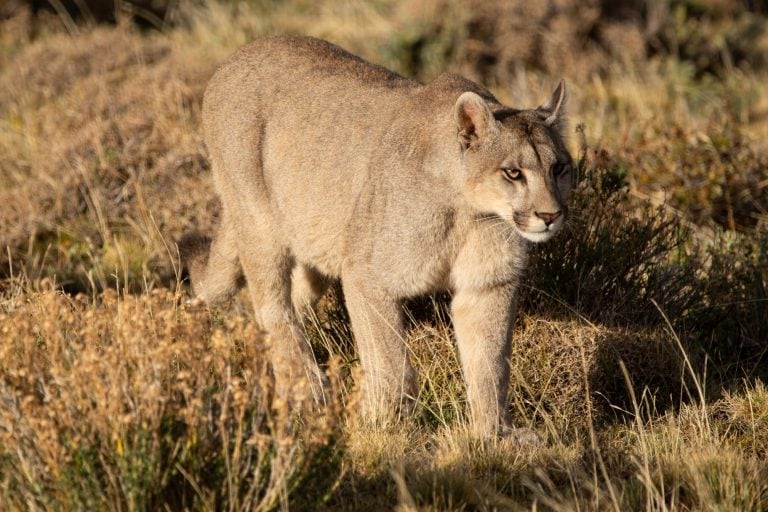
(640, 351)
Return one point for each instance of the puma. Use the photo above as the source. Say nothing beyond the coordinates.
(329, 167)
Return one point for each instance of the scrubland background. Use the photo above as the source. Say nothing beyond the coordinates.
(639, 353)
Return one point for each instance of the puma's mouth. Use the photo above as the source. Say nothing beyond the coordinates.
(542, 235)
(537, 236)
(545, 232)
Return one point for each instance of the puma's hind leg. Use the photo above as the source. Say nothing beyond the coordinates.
(214, 267)
(268, 269)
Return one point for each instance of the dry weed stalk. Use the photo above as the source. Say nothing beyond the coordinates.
(134, 401)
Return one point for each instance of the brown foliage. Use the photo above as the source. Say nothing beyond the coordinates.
(136, 401)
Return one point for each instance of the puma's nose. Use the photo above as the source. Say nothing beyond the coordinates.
(549, 218)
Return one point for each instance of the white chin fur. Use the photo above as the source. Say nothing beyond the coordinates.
(539, 236)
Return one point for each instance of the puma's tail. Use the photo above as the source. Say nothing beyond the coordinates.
(194, 250)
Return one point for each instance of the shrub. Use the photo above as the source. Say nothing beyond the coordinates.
(137, 403)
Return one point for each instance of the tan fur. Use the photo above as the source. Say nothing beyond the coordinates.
(329, 167)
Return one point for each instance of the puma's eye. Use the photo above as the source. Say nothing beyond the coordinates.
(560, 170)
(512, 174)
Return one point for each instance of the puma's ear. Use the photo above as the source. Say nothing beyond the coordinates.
(553, 110)
(473, 118)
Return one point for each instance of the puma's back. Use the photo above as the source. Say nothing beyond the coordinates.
(331, 167)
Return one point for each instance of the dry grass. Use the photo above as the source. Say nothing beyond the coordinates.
(134, 402)
(640, 352)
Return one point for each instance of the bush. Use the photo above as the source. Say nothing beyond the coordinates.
(137, 403)
(620, 260)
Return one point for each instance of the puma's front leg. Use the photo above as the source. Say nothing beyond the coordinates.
(483, 320)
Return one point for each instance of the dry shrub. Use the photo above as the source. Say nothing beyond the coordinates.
(620, 260)
(496, 42)
(564, 372)
(625, 261)
(730, 323)
(717, 177)
(135, 402)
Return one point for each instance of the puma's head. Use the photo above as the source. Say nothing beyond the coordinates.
(515, 164)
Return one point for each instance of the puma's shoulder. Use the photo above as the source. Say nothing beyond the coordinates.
(452, 86)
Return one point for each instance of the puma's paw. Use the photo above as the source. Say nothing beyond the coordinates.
(195, 302)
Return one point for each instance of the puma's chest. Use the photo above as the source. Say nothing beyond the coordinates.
(489, 256)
